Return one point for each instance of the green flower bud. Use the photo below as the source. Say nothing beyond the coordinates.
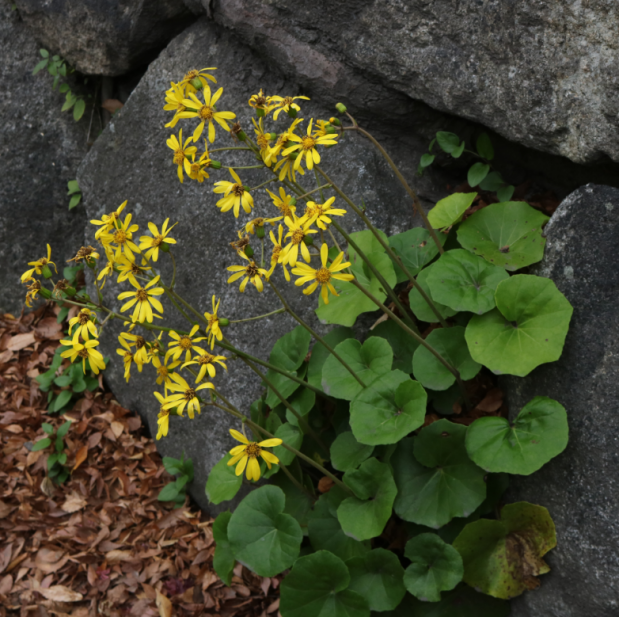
(249, 251)
(165, 247)
(215, 165)
(335, 122)
(70, 291)
(292, 112)
(272, 136)
(260, 232)
(47, 273)
(242, 136)
(223, 321)
(197, 83)
(309, 240)
(293, 155)
(246, 188)
(46, 293)
(330, 129)
(340, 108)
(260, 112)
(293, 201)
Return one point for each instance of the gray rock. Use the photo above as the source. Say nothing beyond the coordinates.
(542, 74)
(580, 487)
(40, 149)
(130, 160)
(105, 37)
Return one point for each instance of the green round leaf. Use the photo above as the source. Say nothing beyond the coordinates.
(347, 453)
(527, 329)
(477, 173)
(402, 346)
(222, 483)
(378, 577)
(262, 537)
(420, 306)
(387, 410)
(485, 147)
(507, 234)
(539, 433)
(435, 567)
(505, 193)
(317, 587)
(450, 344)
(297, 502)
(449, 210)
(302, 401)
(439, 482)
(448, 142)
(465, 282)
(223, 559)
(503, 558)
(320, 354)
(365, 515)
(415, 248)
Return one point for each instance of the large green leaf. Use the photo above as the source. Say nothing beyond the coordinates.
(388, 409)
(403, 346)
(415, 248)
(420, 306)
(365, 515)
(368, 361)
(449, 210)
(222, 483)
(465, 282)
(223, 558)
(539, 433)
(347, 453)
(285, 386)
(436, 480)
(262, 537)
(292, 437)
(528, 327)
(317, 586)
(508, 234)
(297, 503)
(450, 344)
(503, 558)
(320, 354)
(302, 401)
(378, 577)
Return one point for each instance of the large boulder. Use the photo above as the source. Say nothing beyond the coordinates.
(543, 74)
(40, 149)
(580, 487)
(105, 37)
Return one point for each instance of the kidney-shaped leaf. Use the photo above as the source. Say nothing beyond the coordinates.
(402, 346)
(320, 353)
(449, 210)
(415, 248)
(348, 453)
(420, 306)
(222, 483)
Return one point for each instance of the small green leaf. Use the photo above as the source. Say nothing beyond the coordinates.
(63, 381)
(448, 142)
(402, 346)
(320, 354)
(47, 428)
(69, 103)
(78, 110)
(426, 160)
(415, 248)
(449, 210)
(539, 433)
(477, 173)
(72, 187)
(317, 586)
(222, 483)
(368, 361)
(302, 401)
(75, 200)
(458, 150)
(63, 398)
(64, 429)
(262, 537)
(506, 234)
(223, 559)
(42, 444)
(450, 344)
(493, 182)
(435, 567)
(44, 53)
(528, 327)
(169, 493)
(502, 558)
(420, 306)
(292, 437)
(39, 67)
(347, 453)
(505, 193)
(378, 577)
(388, 410)
(485, 147)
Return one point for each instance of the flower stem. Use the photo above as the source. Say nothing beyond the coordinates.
(263, 184)
(280, 310)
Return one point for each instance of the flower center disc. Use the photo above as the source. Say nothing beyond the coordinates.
(308, 143)
(190, 394)
(323, 275)
(185, 342)
(142, 295)
(205, 358)
(238, 190)
(178, 157)
(205, 113)
(120, 236)
(252, 450)
(298, 236)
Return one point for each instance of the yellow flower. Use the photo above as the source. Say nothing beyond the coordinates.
(260, 101)
(323, 275)
(184, 343)
(153, 243)
(213, 328)
(143, 299)
(163, 417)
(174, 102)
(248, 454)
(128, 358)
(251, 272)
(128, 270)
(320, 213)
(259, 223)
(122, 236)
(85, 253)
(181, 151)
(235, 195)
(286, 104)
(205, 360)
(307, 146)
(263, 140)
(276, 251)
(184, 395)
(287, 168)
(140, 356)
(281, 142)
(201, 75)
(285, 203)
(108, 221)
(206, 112)
(39, 265)
(196, 169)
(297, 229)
(33, 290)
(86, 351)
(84, 321)
(164, 370)
(320, 129)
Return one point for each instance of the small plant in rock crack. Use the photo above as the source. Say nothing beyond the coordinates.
(75, 192)
(56, 469)
(176, 491)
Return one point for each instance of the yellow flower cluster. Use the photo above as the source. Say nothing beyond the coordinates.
(84, 349)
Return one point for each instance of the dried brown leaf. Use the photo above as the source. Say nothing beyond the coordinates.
(60, 593)
(163, 604)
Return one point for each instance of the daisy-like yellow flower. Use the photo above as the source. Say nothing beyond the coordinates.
(128, 358)
(235, 195)
(263, 141)
(205, 361)
(163, 418)
(320, 128)
(140, 355)
(152, 244)
(255, 225)
(201, 75)
(39, 265)
(128, 270)
(164, 370)
(280, 143)
(322, 276)
(184, 343)
(251, 272)
(174, 102)
(144, 300)
(196, 170)
(297, 229)
(261, 103)
(214, 330)
(86, 351)
(122, 237)
(286, 168)
(286, 104)
(184, 395)
(182, 151)
(206, 113)
(84, 322)
(307, 147)
(320, 213)
(285, 203)
(248, 454)
(33, 290)
(275, 253)
(108, 221)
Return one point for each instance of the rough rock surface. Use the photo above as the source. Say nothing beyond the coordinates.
(40, 149)
(543, 74)
(580, 487)
(105, 37)
(130, 160)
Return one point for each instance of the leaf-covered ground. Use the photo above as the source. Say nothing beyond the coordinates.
(101, 544)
